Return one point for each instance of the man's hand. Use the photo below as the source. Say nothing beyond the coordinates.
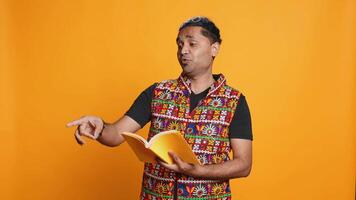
(89, 126)
(182, 167)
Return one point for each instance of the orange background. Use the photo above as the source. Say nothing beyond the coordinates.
(59, 60)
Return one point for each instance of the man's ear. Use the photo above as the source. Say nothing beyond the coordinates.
(215, 49)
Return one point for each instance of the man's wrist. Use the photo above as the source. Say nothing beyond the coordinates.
(102, 129)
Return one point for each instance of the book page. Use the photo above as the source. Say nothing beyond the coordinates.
(160, 135)
(139, 147)
(172, 141)
(136, 136)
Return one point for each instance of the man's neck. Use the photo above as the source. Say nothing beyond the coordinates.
(201, 82)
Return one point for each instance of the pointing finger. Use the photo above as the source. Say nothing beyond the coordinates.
(76, 122)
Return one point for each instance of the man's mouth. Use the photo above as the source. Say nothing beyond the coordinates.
(185, 60)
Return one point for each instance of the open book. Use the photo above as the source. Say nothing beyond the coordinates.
(159, 145)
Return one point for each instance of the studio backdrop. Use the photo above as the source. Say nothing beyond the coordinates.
(59, 60)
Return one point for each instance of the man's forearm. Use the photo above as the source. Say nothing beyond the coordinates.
(230, 169)
(111, 133)
(110, 136)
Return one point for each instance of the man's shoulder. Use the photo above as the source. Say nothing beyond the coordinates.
(164, 84)
(232, 91)
(170, 82)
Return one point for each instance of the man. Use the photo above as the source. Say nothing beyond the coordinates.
(212, 116)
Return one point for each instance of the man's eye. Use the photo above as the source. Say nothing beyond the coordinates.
(192, 44)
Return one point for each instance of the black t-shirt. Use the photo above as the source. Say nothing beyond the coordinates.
(240, 126)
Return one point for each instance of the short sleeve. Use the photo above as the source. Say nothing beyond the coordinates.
(240, 126)
(140, 110)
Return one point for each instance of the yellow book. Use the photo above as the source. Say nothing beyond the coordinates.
(159, 145)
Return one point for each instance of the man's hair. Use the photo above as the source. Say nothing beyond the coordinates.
(209, 29)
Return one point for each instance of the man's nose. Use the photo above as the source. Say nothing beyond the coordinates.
(184, 49)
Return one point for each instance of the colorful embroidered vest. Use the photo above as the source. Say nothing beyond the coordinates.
(206, 129)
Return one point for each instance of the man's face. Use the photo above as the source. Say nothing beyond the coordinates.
(195, 51)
